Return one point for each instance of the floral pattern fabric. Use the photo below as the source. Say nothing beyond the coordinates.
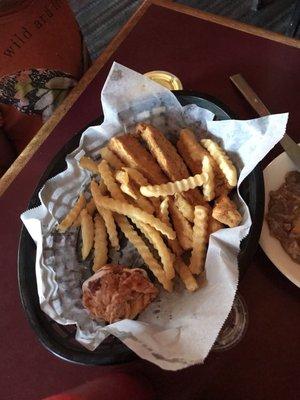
(36, 91)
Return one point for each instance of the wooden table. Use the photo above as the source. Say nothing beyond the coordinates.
(203, 50)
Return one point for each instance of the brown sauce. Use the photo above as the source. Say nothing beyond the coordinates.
(284, 215)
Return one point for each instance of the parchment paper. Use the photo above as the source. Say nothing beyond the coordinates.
(178, 329)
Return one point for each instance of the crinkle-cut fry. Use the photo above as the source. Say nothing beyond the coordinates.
(126, 186)
(110, 182)
(225, 211)
(77, 222)
(156, 204)
(144, 204)
(164, 209)
(109, 221)
(89, 164)
(127, 189)
(156, 240)
(214, 225)
(175, 247)
(200, 239)
(136, 176)
(100, 244)
(185, 275)
(72, 214)
(184, 207)
(144, 251)
(192, 152)
(102, 187)
(111, 158)
(222, 159)
(163, 214)
(208, 179)
(182, 270)
(87, 233)
(182, 227)
(90, 207)
(107, 216)
(130, 211)
(170, 188)
(140, 180)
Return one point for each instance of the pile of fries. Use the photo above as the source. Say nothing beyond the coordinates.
(173, 197)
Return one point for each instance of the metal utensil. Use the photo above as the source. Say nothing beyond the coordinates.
(291, 148)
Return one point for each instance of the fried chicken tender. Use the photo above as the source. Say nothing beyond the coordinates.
(168, 158)
(225, 211)
(134, 155)
(214, 225)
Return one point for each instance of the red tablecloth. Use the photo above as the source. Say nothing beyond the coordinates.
(203, 55)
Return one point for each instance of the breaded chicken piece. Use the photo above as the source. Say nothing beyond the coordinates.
(225, 211)
(191, 151)
(214, 225)
(115, 292)
(168, 159)
(134, 155)
(164, 152)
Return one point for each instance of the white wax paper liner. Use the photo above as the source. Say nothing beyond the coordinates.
(178, 329)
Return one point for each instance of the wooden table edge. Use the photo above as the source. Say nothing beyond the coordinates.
(60, 112)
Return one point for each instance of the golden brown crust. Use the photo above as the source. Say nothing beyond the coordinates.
(115, 293)
(134, 155)
(194, 197)
(168, 159)
(163, 214)
(214, 225)
(193, 154)
(191, 151)
(164, 152)
(182, 227)
(225, 211)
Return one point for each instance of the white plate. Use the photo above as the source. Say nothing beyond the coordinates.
(274, 175)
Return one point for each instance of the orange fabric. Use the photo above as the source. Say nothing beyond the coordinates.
(35, 34)
(42, 34)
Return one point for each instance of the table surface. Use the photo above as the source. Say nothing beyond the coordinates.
(202, 50)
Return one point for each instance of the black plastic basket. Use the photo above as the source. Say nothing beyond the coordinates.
(60, 339)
